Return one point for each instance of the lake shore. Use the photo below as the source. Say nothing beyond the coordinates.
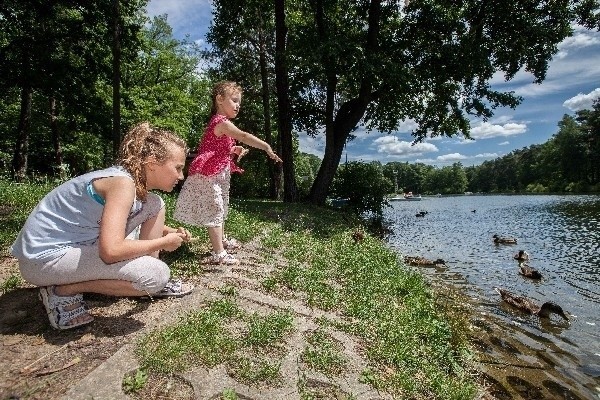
(399, 323)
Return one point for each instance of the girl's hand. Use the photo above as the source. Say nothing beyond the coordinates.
(273, 156)
(173, 241)
(239, 151)
(187, 236)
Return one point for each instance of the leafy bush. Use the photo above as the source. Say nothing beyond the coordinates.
(364, 185)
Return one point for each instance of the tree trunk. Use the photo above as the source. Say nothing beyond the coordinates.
(19, 163)
(116, 81)
(350, 113)
(58, 158)
(275, 188)
(290, 191)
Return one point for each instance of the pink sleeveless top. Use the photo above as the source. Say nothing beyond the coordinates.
(214, 153)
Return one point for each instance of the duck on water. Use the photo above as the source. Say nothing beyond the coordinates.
(529, 306)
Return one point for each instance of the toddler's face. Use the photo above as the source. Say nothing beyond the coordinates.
(229, 104)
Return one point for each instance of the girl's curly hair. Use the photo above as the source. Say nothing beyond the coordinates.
(139, 144)
(221, 89)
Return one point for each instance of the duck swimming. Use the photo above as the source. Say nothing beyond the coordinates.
(504, 240)
(528, 272)
(521, 256)
(529, 306)
(422, 261)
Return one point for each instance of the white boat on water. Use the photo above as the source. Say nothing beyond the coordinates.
(406, 197)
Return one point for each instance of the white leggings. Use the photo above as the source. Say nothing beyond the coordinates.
(81, 264)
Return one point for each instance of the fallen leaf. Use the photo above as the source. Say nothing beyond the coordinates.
(67, 365)
(11, 341)
(38, 341)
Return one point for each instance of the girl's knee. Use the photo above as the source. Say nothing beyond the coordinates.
(155, 277)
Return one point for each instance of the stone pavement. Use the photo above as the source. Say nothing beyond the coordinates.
(105, 381)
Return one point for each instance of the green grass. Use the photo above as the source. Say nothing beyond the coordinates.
(324, 354)
(11, 283)
(416, 345)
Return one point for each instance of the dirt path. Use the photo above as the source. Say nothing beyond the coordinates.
(39, 362)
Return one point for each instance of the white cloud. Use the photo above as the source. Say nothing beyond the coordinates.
(186, 17)
(577, 63)
(451, 157)
(504, 143)
(581, 38)
(487, 130)
(392, 146)
(582, 101)
(487, 155)
(312, 145)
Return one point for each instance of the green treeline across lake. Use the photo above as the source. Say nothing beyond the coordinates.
(568, 162)
(76, 75)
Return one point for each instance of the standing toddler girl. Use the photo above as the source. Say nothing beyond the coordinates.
(204, 198)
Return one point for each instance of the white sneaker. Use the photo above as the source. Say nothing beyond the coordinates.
(224, 258)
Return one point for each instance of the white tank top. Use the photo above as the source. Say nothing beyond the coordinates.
(68, 216)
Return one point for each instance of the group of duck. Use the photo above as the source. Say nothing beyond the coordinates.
(520, 302)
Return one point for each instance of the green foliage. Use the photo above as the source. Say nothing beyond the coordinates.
(11, 283)
(268, 330)
(16, 202)
(324, 354)
(134, 382)
(364, 185)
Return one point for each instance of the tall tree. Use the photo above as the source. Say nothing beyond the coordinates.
(283, 104)
(55, 50)
(375, 64)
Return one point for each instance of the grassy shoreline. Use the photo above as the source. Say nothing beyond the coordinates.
(416, 345)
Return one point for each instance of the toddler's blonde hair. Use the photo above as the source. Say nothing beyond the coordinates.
(139, 144)
(221, 89)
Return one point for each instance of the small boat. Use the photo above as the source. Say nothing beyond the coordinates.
(406, 197)
(529, 306)
(410, 196)
(504, 240)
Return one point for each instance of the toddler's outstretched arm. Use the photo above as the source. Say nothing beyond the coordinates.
(229, 129)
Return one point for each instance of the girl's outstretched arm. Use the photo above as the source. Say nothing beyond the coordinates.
(229, 129)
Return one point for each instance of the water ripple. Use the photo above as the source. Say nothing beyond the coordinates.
(561, 234)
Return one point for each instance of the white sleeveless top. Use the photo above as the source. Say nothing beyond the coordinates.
(66, 217)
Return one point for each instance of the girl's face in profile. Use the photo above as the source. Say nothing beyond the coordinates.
(229, 104)
(165, 175)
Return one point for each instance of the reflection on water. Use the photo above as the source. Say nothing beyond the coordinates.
(561, 235)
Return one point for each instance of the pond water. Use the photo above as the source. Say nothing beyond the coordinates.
(561, 233)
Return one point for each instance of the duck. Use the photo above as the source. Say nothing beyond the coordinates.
(358, 236)
(421, 213)
(529, 272)
(504, 240)
(529, 306)
(521, 256)
(422, 261)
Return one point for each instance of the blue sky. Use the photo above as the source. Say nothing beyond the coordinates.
(571, 84)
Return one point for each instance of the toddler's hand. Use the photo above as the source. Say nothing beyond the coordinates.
(273, 156)
(239, 151)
